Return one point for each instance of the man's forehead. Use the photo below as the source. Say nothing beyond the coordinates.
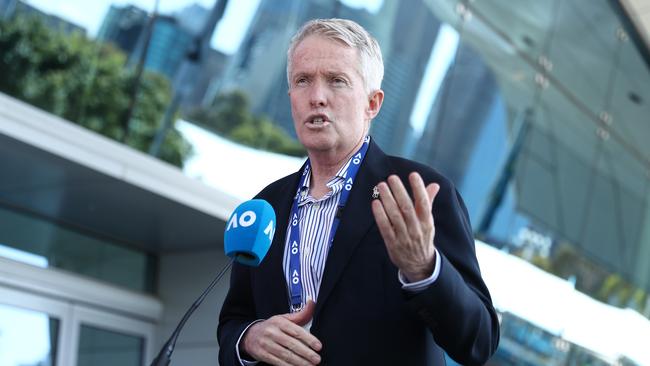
(306, 47)
(337, 56)
(323, 38)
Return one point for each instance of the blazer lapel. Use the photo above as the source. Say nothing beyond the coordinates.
(271, 273)
(357, 218)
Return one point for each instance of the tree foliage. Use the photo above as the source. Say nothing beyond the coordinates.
(230, 116)
(85, 82)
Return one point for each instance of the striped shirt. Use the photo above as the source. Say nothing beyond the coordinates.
(316, 218)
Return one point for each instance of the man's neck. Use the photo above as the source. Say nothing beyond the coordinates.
(324, 167)
(321, 173)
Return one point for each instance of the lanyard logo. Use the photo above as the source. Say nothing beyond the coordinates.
(357, 159)
(348, 184)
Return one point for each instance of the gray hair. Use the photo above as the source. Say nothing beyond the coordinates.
(350, 34)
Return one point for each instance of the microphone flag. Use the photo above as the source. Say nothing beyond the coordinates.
(249, 232)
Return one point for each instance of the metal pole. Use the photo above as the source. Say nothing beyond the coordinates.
(138, 73)
(194, 56)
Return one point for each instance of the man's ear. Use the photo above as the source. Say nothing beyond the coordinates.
(374, 103)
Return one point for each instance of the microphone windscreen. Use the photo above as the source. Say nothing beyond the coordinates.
(249, 232)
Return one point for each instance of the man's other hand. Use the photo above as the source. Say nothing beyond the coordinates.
(281, 340)
(407, 225)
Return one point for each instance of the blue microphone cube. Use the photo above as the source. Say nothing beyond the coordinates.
(249, 232)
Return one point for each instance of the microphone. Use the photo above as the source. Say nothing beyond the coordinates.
(247, 239)
(250, 232)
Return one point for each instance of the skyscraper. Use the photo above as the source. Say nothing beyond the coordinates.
(169, 40)
(167, 47)
(202, 63)
(123, 26)
(258, 67)
(404, 64)
(458, 115)
(192, 18)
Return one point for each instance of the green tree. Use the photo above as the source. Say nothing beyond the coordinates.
(84, 82)
(230, 117)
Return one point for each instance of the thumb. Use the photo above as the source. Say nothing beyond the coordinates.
(303, 316)
(432, 191)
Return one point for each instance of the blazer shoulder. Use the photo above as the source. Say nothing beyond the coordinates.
(403, 167)
(278, 187)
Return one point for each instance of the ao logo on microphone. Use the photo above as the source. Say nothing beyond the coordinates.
(249, 232)
(246, 219)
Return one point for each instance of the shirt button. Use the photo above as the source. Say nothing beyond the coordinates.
(317, 205)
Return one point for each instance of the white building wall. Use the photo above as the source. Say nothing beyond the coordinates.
(182, 278)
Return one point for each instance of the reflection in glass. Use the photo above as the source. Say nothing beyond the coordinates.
(101, 347)
(27, 338)
(53, 245)
(23, 256)
(584, 71)
(442, 56)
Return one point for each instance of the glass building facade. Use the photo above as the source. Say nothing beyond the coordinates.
(538, 111)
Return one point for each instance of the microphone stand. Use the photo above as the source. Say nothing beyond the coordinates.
(165, 354)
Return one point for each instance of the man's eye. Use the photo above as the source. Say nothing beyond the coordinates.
(339, 81)
(301, 81)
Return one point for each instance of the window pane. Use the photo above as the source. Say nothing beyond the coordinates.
(53, 245)
(27, 338)
(99, 347)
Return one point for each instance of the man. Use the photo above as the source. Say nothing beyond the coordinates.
(367, 271)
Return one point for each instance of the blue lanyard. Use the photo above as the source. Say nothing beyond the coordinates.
(294, 225)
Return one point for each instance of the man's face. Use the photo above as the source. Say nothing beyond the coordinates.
(330, 106)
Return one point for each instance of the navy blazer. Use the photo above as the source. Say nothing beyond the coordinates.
(362, 315)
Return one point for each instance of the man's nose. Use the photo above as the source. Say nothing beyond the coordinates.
(318, 95)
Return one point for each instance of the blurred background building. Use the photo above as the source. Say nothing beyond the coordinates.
(538, 111)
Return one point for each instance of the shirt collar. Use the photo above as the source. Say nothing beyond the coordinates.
(335, 184)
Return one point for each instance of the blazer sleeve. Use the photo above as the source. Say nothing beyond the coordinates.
(237, 312)
(457, 307)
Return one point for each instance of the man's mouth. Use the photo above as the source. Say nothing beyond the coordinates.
(317, 120)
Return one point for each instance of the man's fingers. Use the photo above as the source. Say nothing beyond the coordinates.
(383, 223)
(403, 200)
(432, 191)
(299, 341)
(420, 196)
(301, 350)
(281, 342)
(301, 334)
(392, 209)
(276, 354)
(292, 350)
(298, 319)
